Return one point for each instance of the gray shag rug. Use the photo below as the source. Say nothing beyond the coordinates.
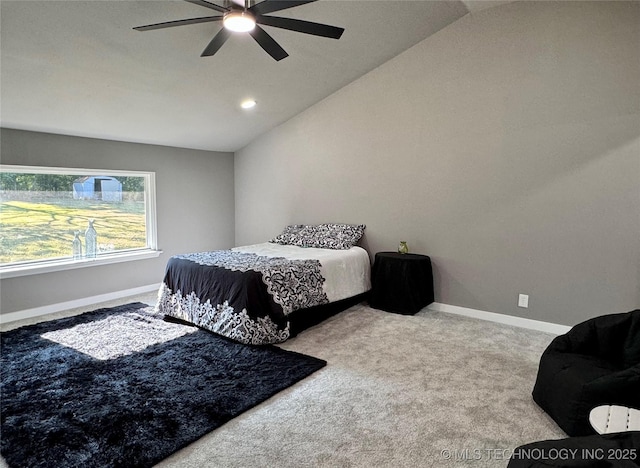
(120, 387)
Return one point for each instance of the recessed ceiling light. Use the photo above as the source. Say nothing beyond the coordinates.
(248, 104)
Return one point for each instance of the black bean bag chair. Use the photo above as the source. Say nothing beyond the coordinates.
(596, 363)
(620, 450)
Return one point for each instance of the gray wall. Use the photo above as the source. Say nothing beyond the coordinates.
(195, 210)
(506, 147)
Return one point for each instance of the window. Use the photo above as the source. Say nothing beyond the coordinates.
(55, 218)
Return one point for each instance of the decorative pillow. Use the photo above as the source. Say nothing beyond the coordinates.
(323, 236)
(330, 236)
(289, 235)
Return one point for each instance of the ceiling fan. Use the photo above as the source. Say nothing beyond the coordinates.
(236, 18)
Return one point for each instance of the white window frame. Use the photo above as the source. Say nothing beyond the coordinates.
(36, 267)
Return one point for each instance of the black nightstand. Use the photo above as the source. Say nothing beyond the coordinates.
(401, 283)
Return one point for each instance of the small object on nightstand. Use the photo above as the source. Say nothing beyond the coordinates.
(401, 283)
(403, 248)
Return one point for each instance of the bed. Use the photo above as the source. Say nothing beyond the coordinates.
(266, 293)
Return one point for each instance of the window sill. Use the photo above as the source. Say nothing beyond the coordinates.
(60, 265)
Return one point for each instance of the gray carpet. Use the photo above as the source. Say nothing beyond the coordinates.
(397, 392)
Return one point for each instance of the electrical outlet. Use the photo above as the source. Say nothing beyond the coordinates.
(523, 301)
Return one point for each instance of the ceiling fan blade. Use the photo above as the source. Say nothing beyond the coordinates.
(217, 42)
(269, 6)
(206, 4)
(268, 43)
(170, 24)
(306, 27)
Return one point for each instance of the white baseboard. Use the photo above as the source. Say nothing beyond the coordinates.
(547, 327)
(538, 325)
(85, 301)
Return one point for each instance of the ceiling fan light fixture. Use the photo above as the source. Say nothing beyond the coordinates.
(244, 16)
(239, 21)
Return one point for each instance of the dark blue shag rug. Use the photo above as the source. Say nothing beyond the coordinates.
(121, 387)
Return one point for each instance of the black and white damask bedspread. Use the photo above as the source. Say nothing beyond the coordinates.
(247, 295)
(240, 295)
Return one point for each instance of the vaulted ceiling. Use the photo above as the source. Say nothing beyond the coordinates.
(78, 68)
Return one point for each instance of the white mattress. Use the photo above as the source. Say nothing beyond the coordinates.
(347, 273)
